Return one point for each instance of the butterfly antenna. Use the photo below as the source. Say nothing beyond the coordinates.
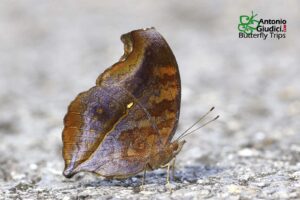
(214, 119)
(201, 118)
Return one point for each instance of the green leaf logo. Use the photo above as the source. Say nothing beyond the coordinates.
(248, 24)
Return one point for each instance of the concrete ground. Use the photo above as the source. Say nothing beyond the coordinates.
(52, 50)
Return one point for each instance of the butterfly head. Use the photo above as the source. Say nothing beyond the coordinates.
(171, 151)
(176, 147)
(165, 155)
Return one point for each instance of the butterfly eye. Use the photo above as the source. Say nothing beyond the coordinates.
(175, 146)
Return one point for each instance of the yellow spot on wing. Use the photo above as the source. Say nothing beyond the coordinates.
(129, 105)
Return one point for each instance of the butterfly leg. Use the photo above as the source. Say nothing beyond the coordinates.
(144, 177)
(168, 174)
(173, 168)
(170, 167)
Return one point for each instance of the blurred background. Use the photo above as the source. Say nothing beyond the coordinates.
(52, 50)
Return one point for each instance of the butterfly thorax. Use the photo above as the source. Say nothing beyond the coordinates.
(165, 155)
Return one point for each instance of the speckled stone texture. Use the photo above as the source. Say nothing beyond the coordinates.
(52, 50)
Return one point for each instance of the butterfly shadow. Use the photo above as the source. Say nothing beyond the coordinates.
(188, 174)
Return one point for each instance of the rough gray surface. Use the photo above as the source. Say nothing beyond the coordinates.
(52, 50)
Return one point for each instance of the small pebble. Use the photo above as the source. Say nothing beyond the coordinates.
(247, 152)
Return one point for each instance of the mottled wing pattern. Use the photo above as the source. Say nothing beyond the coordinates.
(157, 84)
(113, 128)
(112, 137)
(150, 73)
(126, 148)
(90, 116)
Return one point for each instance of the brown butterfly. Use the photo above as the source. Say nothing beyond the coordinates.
(125, 124)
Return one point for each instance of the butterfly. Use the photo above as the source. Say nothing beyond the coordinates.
(125, 124)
